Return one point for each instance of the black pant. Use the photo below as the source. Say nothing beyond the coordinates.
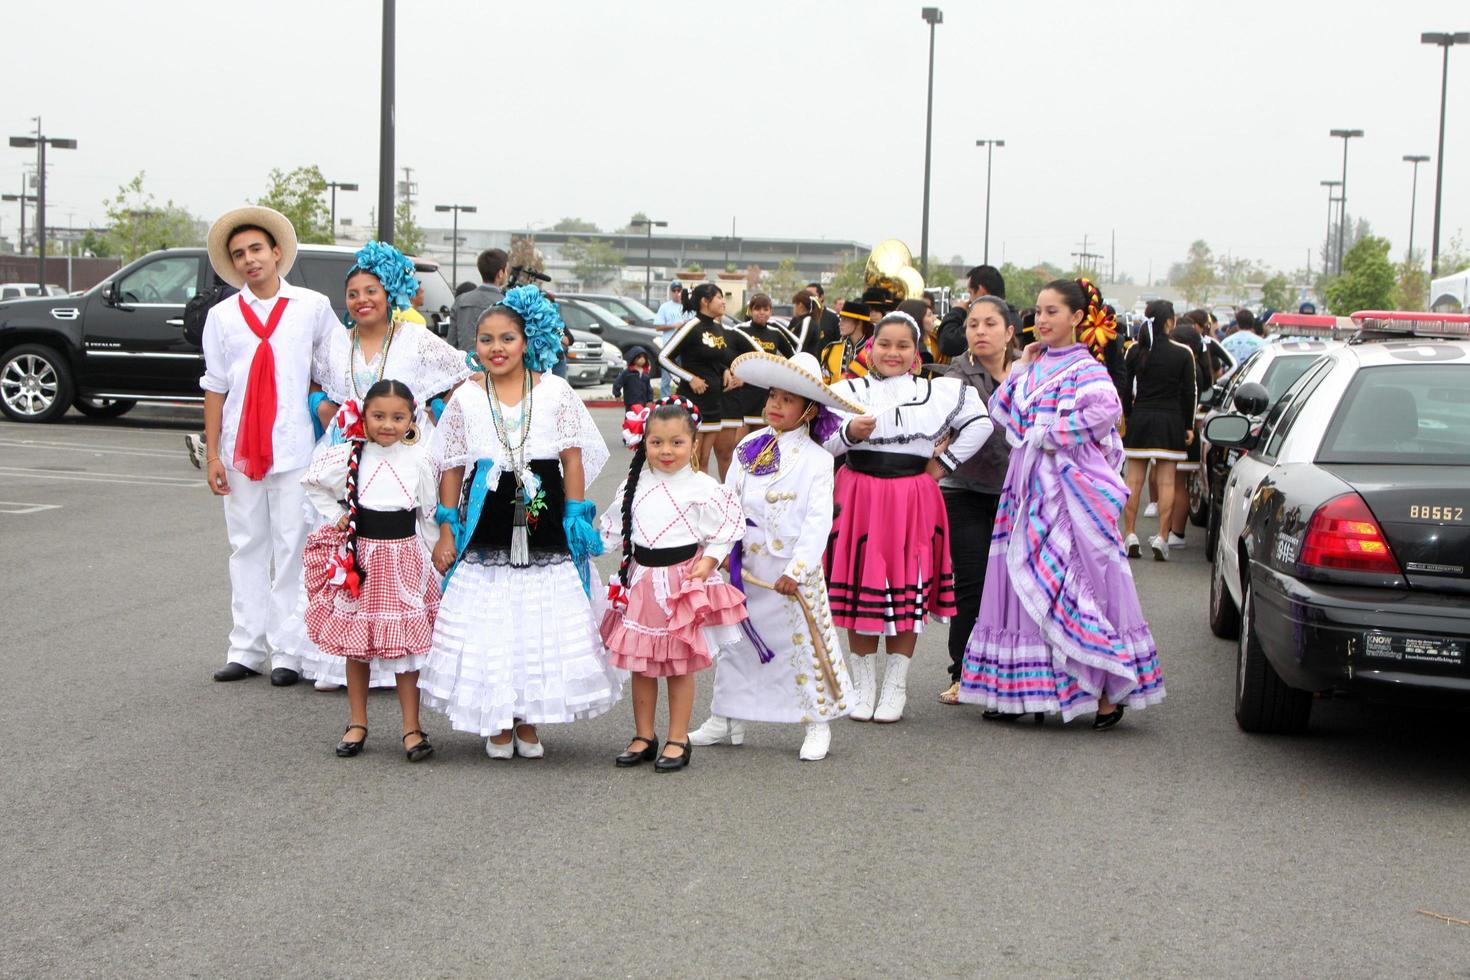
(971, 519)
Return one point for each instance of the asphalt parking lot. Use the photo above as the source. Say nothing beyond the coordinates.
(161, 824)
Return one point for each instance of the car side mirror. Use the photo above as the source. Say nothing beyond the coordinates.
(1230, 431)
(1211, 397)
(1252, 399)
(109, 293)
(594, 328)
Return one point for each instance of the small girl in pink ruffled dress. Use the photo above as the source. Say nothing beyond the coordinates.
(670, 609)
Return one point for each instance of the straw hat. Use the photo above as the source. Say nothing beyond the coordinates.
(272, 221)
(801, 375)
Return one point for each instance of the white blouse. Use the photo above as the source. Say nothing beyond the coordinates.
(671, 511)
(399, 477)
(913, 415)
(417, 357)
(789, 511)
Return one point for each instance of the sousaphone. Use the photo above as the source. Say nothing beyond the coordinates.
(891, 267)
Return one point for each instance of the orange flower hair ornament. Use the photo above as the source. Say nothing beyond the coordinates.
(1099, 327)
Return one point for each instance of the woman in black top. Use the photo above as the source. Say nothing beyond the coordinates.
(1161, 379)
(757, 334)
(699, 355)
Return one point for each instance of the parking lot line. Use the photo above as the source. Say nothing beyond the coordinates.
(26, 473)
(20, 507)
(86, 447)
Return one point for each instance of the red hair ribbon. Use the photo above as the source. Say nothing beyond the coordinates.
(349, 420)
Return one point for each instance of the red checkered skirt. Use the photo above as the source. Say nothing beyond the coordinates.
(393, 614)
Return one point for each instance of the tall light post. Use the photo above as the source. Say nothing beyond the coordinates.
(24, 199)
(385, 131)
(40, 141)
(1344, 135)
(1413, 200)
(933, 16)
(1331, 185)
(649, 224)
(990, 146)
(337, 185)
(1445, 41)
(456, 208)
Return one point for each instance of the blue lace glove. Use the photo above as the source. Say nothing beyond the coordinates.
(583, 541)
(314, 404)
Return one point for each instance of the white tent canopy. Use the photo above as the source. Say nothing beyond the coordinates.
(1450, 294)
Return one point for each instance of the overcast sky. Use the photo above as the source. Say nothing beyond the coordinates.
(1162, 120)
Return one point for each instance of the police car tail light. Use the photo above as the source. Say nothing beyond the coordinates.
(1344, 535)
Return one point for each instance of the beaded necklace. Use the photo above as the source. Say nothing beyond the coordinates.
(357, 351)
(528, 505)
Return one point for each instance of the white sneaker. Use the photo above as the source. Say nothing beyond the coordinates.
(1152, 510)
(718, 729)
(1131, 543)
(818, 740)
(322, 684)
(895, 689)
(864, 674)
(1177, 540)
(195, 445)
(506, 751)
(1160, 547)
(527, 750)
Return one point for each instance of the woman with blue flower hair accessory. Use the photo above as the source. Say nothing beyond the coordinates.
(378, 347)
(516, 643)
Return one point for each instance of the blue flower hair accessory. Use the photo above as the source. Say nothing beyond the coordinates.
(542, 323)
(393, 270)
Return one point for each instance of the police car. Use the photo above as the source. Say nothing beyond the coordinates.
(1343, 556)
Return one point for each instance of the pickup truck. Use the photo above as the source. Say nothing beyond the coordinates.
(122, 341)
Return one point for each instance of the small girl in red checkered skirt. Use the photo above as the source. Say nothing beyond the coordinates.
(372, 591)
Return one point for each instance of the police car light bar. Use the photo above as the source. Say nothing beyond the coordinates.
(1409, 324)
(1309, 325)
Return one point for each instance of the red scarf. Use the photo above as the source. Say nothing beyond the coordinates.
(254, 455)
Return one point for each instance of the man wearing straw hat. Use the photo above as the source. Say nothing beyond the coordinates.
(258, 431)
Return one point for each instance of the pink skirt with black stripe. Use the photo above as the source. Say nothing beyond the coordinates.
(887, 564)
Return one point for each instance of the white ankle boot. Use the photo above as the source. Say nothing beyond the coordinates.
(718, 729)
(864, 674)
(818, 740)
(895, 689)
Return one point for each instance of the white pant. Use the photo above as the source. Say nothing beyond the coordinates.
(267, 527)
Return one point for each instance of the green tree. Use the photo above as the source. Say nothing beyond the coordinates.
(1195, 276)
(408, 237)
(1367, 280)
(1023, 284)
(1411, 291)
(1455, 257)
(1277, 293)
(301, 195)
(784, 280)
(575, 224)
(847, 282)
(524, 254)
(633, 226)
(137, 224)
(593, 260)
(941, 277)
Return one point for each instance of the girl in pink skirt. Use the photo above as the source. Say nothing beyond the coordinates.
(887, 562)
(669, 608)
(372, 593)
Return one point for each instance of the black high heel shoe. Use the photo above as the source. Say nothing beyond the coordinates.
(346, 749)
(1038, 716)
(420, 750)
(667, 763)
(1102, 723)
(636, 758)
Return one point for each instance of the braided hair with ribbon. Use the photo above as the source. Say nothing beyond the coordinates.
(673, 407)
(350, 421)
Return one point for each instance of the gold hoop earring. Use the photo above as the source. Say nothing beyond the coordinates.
(410, 435)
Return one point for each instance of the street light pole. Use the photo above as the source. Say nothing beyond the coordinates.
(649, 224)
(454, 262)
(40, 141)
(385, 132)
(24, 199)
(990, 146)
(1344, 135)
(1445, 41)
(336, 186)
(933, 16)
(1327, 238)
(1413, 200)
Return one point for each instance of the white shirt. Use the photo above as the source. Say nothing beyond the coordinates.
(913, 414)
(417, 357)
(671, 511)
(229, 348)
(399, 477)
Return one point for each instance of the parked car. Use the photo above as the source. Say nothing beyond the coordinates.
(585, 365)
(614, 360)
(1343, 557)
(22, 290)
(122, 341)
(633, 312)
(581, 315)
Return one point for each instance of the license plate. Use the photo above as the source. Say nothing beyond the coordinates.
(1415, 649)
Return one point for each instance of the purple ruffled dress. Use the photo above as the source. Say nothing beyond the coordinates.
(1060, 625)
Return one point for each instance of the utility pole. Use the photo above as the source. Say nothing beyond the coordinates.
(40, 141)
(1344, 135)
(1445, 41)
(1413, 200)
(385, 131)
(1113, 258)
(933, 17)
(337, 185)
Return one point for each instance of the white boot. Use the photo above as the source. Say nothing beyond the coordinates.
(864, 674)
(818, 740)
(718, 729)
(895, 689)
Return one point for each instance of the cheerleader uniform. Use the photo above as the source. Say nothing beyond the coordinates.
(1161, 377)
(749, 402)
(516, 644)
(663, 624)
(700, 348)
(390, 622)
(887, 563)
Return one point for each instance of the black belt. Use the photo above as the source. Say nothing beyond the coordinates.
(663, 557)
(386, 525)
(885, 465)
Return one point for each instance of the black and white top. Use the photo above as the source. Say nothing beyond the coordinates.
(772, 338)
(698, 348)
(913, 415)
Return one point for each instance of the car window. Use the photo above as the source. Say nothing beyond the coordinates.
(327, 274)
(1282, 373)
(1299, 397)
(437, 294)
(1402, 413)
(1235, 380)
(173, 279)
(575, 317)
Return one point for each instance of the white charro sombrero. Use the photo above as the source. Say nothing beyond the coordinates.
(801, 375)
(271, 220)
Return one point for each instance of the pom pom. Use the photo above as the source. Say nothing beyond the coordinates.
(543, 325)
(349, 420)
(633, 424)
(393, 270)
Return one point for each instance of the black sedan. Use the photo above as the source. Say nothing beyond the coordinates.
(1343, 556)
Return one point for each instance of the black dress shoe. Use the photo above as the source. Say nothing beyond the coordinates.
(421, 749)
(234, 672)
(667, 763)
(1102, 723)
(346, 749)
(284, 677)
(648, 753)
